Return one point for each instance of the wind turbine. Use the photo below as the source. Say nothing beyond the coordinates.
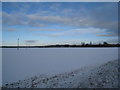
(18, 44)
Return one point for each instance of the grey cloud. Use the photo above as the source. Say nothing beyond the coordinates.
(66, 11)
(107, 17)
(31, 41)
(33, 20)
(104, 17)
(107, 35)
(14, 19)
(11, 29)
(45, 29)
(55, 6)
(19, 19)
(49, 19)
(113, 41)
(73, 32)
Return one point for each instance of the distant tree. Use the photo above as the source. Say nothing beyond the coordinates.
(105, 43)
(100, 44)
(82, 43)
(66, 45)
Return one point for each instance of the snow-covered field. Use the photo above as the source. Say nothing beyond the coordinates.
(25, 63)
(103, 76)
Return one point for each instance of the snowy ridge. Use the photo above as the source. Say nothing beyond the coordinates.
(103, 76)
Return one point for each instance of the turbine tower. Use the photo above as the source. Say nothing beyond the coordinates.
(18, 44)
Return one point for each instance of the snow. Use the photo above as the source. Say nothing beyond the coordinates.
(102, 76)
(25, 63)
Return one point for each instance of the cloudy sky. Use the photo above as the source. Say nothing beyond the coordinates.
(44, 23)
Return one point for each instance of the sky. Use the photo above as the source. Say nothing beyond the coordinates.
(46, 23)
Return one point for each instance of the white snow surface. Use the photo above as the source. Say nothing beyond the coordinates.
(47, 62)
(103, 76)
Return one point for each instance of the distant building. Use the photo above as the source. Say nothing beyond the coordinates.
(90, 43)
